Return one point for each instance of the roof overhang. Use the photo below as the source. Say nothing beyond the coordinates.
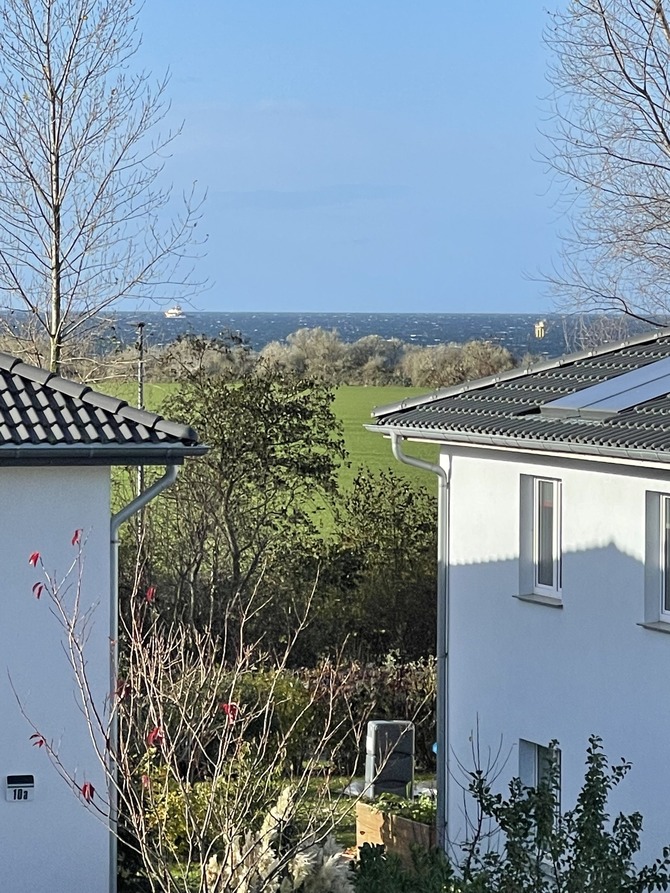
(98, 454)
(526, 444)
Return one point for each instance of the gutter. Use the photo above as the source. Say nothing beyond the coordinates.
(529, 444)
(98, 454)
(140, 501)
(442, 645)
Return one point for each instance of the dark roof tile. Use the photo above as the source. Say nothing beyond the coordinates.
(39, 409)
(32, 373)
(141, 416)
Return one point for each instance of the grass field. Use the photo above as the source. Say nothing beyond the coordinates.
(352, 406)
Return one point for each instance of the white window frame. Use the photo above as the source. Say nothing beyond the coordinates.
(555, 588)
(664, 559)
(656, 562)
(534, 762)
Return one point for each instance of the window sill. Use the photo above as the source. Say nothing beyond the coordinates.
(659, 626)
(551, 601)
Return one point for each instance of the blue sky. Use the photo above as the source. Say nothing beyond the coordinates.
(361, 156)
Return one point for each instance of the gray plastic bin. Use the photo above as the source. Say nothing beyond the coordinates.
(389, 758)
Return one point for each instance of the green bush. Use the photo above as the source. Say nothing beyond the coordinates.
(381, 872)
(419, 809)
(527, 845)
(302, 702)
(546, 850)
(387, 691)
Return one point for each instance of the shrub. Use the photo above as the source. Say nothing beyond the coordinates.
(524, 844)
(545, 850)
(419, 809)
(381, 872)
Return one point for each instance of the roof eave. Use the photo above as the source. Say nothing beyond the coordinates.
(98, 454)
(463, 438)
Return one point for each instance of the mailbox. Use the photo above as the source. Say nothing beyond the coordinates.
(20, 788)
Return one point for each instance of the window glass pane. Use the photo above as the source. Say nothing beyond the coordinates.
(665, 532)
(545, 533)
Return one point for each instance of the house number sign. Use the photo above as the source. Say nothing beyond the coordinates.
(20, 788)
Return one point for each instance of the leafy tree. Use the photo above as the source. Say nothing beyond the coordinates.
(544, 849)
(383, 568)
(81, 205)
(610, 142)
(244, 517)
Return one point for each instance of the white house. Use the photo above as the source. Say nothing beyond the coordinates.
(554, 570)
(58, 441)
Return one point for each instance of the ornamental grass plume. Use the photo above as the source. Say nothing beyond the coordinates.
(254, 861)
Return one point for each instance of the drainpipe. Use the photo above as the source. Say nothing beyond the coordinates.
(442, 717)
(140, 501)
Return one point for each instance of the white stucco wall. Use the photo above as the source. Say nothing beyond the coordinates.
(53, 844)
(530, 671)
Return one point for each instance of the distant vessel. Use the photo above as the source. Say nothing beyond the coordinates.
(540, 328)
(175, 312)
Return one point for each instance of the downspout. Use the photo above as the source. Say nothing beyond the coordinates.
(140, 501)
(442, 645)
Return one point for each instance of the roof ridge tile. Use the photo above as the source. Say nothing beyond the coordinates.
(32, 373)
(103, 401)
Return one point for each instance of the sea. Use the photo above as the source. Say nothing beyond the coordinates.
(515, 331)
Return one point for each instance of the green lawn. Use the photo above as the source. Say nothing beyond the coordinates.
(353, 405)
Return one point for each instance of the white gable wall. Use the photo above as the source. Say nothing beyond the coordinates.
(53, 844)
(534, 672)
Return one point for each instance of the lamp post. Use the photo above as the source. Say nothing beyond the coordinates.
(140, 399)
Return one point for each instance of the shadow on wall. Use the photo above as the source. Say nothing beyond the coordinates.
(520, 670)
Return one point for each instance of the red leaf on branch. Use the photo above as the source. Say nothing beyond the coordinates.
(231, 710)
(38, 740)
(150, 594)
(146, 781)
(34, 558)
(87, 791)
(37, 589)
(122, 688)
(155, 737)
(76, 536)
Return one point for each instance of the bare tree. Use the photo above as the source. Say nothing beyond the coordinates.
(83, 207)
(610, 139)
(196, 750)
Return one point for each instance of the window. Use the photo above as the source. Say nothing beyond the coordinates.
(665, 557)
(657, 562)
(536, 762)
(546, 536)
(541, 766)
(540, 540)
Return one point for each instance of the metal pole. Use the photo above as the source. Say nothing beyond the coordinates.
(442, 656)
(117, 520)
(140, 395)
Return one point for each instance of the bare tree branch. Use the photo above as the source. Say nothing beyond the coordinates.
(610, 149)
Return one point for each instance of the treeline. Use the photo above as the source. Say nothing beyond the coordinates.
(373, 360)
(321, 355)
(316, 353)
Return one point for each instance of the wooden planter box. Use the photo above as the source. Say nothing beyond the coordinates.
(397, 834)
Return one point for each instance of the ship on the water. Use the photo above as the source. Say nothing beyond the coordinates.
(175, 312)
